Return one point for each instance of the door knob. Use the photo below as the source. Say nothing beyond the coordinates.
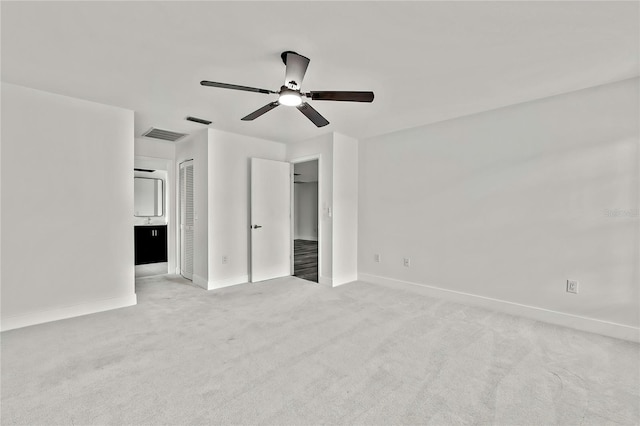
(256, 226)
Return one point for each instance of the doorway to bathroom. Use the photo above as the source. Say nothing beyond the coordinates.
(151, 214)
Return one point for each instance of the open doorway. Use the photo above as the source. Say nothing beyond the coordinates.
(305, 220)
(151, 216)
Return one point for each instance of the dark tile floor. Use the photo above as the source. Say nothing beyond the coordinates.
(305, 263)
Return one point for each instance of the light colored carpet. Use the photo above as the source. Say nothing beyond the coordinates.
(292, 352)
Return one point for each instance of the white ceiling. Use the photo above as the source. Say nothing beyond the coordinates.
(425, 61)
(151, 163)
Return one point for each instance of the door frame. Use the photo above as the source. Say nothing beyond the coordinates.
(293, 212)
(171, 210)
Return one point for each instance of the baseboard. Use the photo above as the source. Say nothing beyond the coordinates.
(199, 281)
(606, 328)
(214, 285)
(344, 280)
(87, 308)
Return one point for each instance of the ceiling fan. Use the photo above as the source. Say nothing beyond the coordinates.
(290, 93)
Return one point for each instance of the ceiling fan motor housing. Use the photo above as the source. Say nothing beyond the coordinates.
(284, 54)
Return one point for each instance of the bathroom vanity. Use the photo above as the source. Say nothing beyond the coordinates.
(150, 244)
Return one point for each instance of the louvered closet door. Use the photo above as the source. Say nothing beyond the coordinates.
(186, 219)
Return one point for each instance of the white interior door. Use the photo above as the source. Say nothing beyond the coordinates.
(186, 219)
(270, 219)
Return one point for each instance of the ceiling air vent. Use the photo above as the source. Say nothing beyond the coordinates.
(165, 135)
(199, 120)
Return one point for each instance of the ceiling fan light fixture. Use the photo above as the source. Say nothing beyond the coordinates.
(290, 99)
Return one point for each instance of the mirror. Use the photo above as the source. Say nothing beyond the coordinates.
(148, 197)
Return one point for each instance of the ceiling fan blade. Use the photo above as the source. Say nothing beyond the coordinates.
(341, 96)
(257, 113)
(296, 68)
(312, 115)
(235, 87)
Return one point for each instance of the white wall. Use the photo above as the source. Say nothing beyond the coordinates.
(306, 211)
(321, 146)
(509, 204)
(229, 184)
(67, 204)
(345, 209)
(161, 155)
(195, 147)
(155, 148)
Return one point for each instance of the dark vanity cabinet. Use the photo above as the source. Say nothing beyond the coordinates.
(150, 244)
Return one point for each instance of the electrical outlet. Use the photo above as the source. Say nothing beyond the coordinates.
(225, 259)
(406, 262)
(572, 286)
(376, 258)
